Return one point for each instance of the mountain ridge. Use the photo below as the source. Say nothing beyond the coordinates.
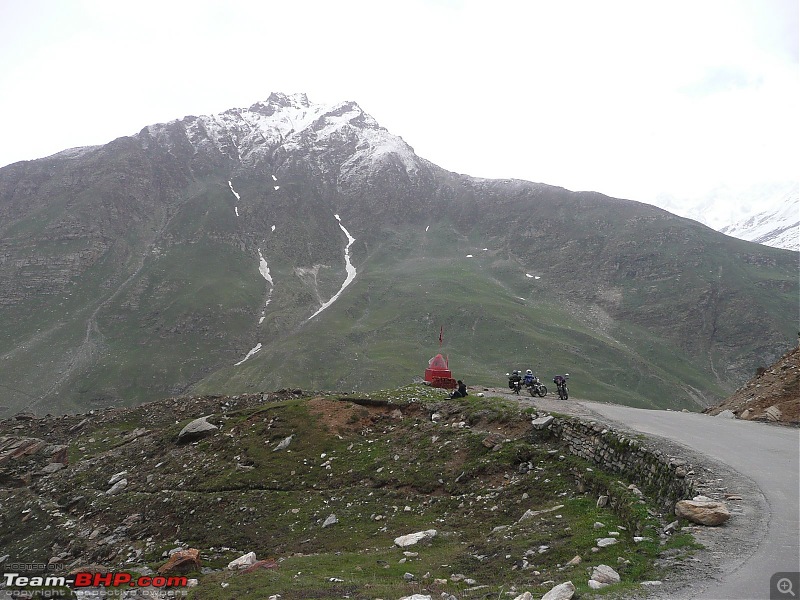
(135, 270)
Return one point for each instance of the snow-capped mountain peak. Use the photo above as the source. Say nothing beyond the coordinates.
(250, 135)
(778, 227)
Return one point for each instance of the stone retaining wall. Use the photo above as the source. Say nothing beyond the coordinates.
(664, 479)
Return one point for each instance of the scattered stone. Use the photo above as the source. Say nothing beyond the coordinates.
(732, 497)
(269, 563)
(197, 429)
(746, 414)
(52, 468)
(408, 576)
(726, 414)
(605, 542)
(283, 444)
(414, 538)
(671, 527)
(707, 513)
(416, 597)
(563, 591)
(773, 413)
(542, 422)
(575, 561)
(602, 501)
(651, 583)
(243, 562)
(525, 596)
(598, 525)
(117, 487)
(331, 520)
(117, 477)
(492, 440)
(533, 513)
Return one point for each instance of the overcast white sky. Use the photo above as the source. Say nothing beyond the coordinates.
(682, 103)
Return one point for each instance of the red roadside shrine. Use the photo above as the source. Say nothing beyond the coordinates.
(438, 373)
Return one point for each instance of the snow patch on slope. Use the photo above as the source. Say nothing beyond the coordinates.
(249, 354)
(351, 270)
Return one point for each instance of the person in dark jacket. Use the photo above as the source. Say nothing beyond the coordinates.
(460, 391)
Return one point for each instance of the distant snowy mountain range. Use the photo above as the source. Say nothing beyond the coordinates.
(767, 214)
(778, 227)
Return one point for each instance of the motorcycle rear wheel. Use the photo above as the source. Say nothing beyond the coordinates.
(542, 391)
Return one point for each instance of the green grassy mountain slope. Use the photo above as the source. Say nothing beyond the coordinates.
(138, 270)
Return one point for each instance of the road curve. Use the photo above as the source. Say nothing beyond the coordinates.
(769, 455)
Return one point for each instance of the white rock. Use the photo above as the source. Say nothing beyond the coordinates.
(115, 478)
(774, 413)
(243, 562)
(284, 443)
(414, 538)
(605, 574)
(331, 520)
(118, 487)
(416, 597)
(525, 596)
(596, 585)
(651, 583)
(542, 422)
(563, 591)
(604, 542)
(726, 414)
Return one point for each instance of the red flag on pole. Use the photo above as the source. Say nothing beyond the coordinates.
(441, 335)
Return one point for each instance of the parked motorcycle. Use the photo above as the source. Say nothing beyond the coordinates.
(514, 382)
(536, 388)
(561, 385)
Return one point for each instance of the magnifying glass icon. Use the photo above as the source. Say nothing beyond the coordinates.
(784, 586)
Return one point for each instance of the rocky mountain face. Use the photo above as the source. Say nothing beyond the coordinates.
(778, 227)
(772, 395)
(291, 244)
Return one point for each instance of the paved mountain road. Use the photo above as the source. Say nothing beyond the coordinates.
(767, 455)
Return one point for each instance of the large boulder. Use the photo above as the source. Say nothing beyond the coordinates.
(605, 574)
(183, 561)
(414, 538)
(703, 512)
(197, 429)
(563, 591)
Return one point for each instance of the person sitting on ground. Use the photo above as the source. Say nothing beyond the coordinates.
(460, 391)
